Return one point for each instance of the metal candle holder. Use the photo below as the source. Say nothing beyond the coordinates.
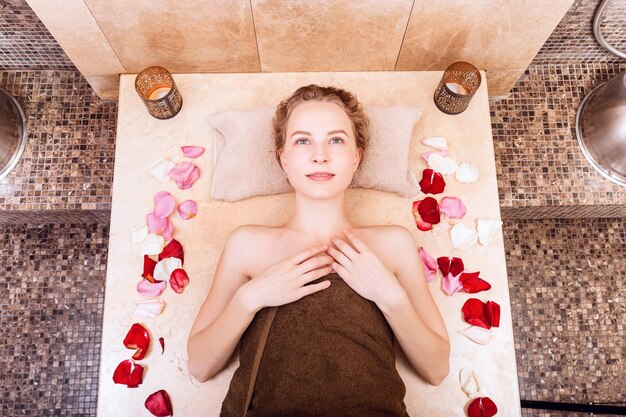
(457, 87)
(158, 91)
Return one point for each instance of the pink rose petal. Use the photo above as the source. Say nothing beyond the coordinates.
(192, 151)
(149, 289)
(188, 209)
(430, 265)
(452, 207)
(164, 204)
(169, 229)
(425, 155)
(156, 224)
(185, 174)
(451, 284)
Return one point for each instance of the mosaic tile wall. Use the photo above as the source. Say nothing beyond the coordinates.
(52, 283)
(573, 41)
(25, 43)
(68, 160)
(567, 299)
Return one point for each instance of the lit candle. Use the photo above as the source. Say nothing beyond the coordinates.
(159, 93)
(456, 88)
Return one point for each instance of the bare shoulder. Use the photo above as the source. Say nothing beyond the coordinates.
(246, 240)
(390, 242)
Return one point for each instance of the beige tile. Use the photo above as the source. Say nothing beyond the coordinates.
(105, 86)
(330, 35)
(190, 36)
(500, 82)
(491, 35)
(78, 33)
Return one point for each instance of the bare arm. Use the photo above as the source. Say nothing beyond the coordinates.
(414, 317)
(224, 315)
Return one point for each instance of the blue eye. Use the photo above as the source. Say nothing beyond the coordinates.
(336, 137)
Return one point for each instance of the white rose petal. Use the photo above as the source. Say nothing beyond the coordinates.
(442, 164)
(477, 334)
(436, 142)
(463, 237)
(487, 229)
(164, 268)
(139, 233)
(440, 227)
(160, 169)
(467, 173)
(469, 383)
(149, 308)
(153, 245)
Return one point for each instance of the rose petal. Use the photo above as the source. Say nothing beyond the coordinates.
(467, 173)
(164, 268)
(440, 227)
(463, 237)
(188, 209)
(173, 250)
(442, 164)
(149, 289)
(169, 229)
(159, 169)
(148, 268)
(430, 265)
(139, 233)
(426, 155)
(450, 284)
(192, 151)
(473, 284)
(153, 245)
(128, 373)
(487, 229)
(452, 265)
(481, 314)
(159, 404)
(482, 407)
(178, 280)
(436, 142)
(149, 308)
(477, 334)
(469, 382)
(421, 224)
(185, 174)
(432, 182)
(162, 342)
(428, 210)
(452, 207)
(156, 224)
(164, 204)
(137, 338)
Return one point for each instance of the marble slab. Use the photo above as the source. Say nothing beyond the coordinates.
(141, 139)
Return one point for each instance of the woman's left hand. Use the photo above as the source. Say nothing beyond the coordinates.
(363, 271)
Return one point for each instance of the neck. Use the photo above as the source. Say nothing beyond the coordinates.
(316, 220)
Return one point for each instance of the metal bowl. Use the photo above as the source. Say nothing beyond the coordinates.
(601, 128)
(12, 132)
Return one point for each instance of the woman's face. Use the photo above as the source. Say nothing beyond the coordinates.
(319, 138)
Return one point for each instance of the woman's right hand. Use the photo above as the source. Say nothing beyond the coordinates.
(284, 282)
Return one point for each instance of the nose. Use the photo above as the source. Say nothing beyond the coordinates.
(320, 154)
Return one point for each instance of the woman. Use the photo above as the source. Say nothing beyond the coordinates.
(346, 292)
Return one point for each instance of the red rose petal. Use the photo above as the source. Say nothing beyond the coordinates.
(432, 182)
(179, 280)
(137, 338)
(173, 250)
(421, 224)
(162, 342)
(428, 210)
(482, 407)
(159, 404)
(452, 265)
(128, 373)
(481, 314)
(472, 283)
(148, 268)
(493, 313)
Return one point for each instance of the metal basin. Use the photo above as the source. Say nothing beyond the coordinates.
(12, 132)
(601, 128)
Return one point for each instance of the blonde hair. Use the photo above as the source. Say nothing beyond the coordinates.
(346, 100)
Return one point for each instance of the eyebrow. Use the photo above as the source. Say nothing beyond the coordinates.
(332, 132)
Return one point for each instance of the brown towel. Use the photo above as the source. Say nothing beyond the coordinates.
(330, 353)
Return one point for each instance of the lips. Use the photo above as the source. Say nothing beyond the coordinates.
(320, 174)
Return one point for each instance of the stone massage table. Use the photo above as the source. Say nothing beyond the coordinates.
(141, 139)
